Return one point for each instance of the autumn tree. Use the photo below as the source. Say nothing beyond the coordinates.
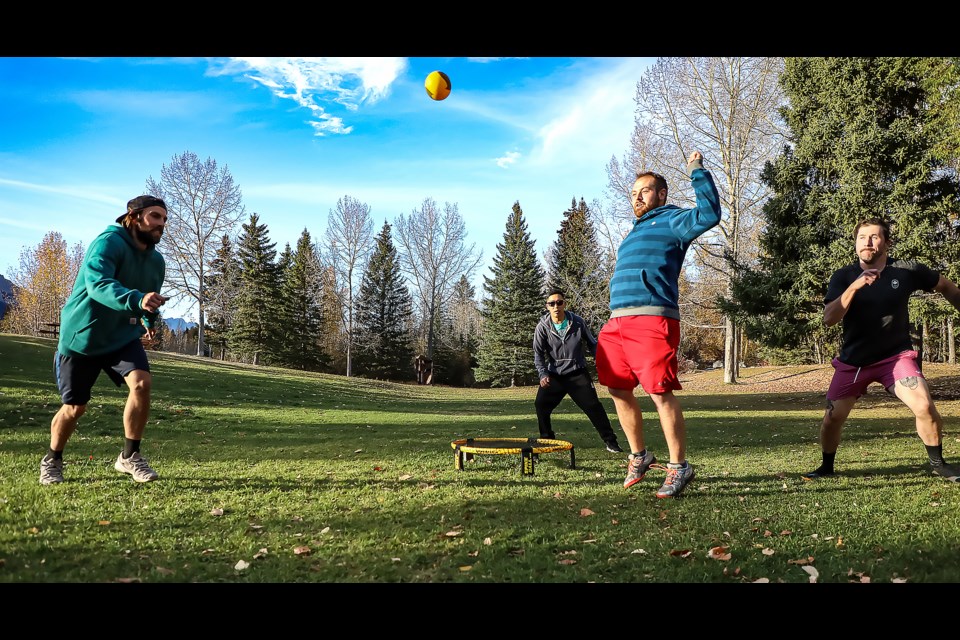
(433, 251)
(43, 281)
(511, 308)
(203, 204)
(347, 243)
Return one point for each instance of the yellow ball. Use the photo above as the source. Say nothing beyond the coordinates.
(437, 85)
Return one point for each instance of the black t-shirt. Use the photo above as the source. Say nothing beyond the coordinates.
(877, 324)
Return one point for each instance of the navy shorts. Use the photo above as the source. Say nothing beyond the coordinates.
(76, 375)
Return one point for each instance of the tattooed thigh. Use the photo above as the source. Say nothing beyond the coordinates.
(911, 382)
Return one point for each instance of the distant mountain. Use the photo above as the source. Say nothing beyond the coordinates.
(6, 292)
(179, 324)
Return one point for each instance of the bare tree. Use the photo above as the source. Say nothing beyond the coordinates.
(727, 108)
(347, 244)
(433, 255)
(203, 204)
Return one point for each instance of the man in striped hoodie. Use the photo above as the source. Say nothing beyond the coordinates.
(638, 345)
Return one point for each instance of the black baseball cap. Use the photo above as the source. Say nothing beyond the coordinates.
(140, 203)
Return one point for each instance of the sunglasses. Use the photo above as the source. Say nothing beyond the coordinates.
(555, 303)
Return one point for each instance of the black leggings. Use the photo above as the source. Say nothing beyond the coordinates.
(579, 387)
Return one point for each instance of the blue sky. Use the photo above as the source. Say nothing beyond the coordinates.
(80, 136)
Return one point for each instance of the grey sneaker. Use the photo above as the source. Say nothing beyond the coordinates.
(677, 480)
(637, 468)
(136, 465)
(51, 471)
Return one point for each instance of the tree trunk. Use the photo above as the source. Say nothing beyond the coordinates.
(731, 352)
(951, 344)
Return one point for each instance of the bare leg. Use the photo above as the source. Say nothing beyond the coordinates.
(64, 423)
(833, 419)
(915, 393)
(631, 418)
(672, 423)
(137, 410)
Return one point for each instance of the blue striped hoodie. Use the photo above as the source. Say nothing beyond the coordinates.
(649, 259)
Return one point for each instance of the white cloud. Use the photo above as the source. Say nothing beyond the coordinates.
(507, 159)
(313, 83)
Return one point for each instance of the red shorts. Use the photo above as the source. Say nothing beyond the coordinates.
(852, 382)
(642, 350)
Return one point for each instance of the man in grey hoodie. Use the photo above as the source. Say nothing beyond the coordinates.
(558, 355)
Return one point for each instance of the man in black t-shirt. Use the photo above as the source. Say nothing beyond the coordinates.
(870, 297)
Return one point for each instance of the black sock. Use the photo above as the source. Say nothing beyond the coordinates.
(54, 455)
(935, 452)
(130, 447)
(827, 465)
(642, 453)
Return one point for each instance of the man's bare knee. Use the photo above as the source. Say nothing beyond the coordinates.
(73, 411)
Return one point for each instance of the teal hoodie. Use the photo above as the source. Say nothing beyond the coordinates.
(103, 311)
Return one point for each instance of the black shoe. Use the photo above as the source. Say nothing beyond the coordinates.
(613, 447)
(948, 472)
(548, 436)
(818, 473)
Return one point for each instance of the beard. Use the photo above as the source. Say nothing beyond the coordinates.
(868, 257)
(147, 237)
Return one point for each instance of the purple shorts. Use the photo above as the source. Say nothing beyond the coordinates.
(849, 381)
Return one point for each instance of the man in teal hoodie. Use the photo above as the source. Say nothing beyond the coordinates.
(114, 302)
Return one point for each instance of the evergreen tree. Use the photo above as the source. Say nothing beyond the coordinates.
(384, 315)
(861, 147)
(511, 308)
(255, 330)
(455, 355)
(301, 295)
(223, 283)
(575, 265)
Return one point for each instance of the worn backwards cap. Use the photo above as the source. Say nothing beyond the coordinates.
(140, 203)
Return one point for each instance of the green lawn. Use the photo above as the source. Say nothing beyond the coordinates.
(274, 476)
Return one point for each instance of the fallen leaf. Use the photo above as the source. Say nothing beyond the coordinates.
(325, 530)
(164, 571)
(216, 511)
(302, 551)
(812, 571)
(103, 522)
(801, 561)
(767, 551)
(487, 541)
(762, 580)
(127, 580)
(451, 534)
(839, 541)
(718, 553)
(571, 552)
(241, 565)
(33, 530)
(473, 554)
(465, 568)
(767, 533)
(567, 561)
(786, 532)
(589, 541)
(640, 551)
(260, 554)
(207, 552)
(586, 512)
(683, 553)
(359, 451)
(394, 559)
(406, 476)
(378, 468)
(898, 579)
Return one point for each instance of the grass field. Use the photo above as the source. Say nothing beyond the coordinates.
(274, 476)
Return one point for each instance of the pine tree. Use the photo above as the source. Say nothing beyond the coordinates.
(455, 355)
(575, 265)
(223, 283)
(301, 295)
(254, 334)
(384, 316)
(511, 308)
(862, 147)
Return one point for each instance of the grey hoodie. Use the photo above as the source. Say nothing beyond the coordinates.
(561, 356)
